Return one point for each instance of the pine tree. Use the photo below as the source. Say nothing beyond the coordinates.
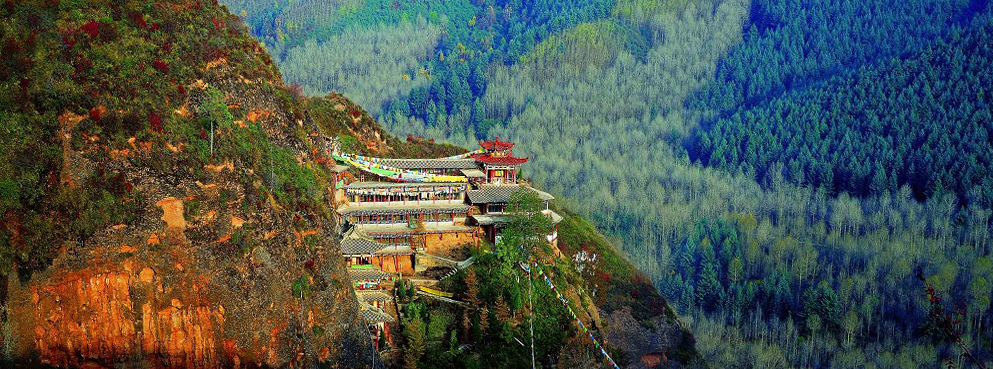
(708, 286)
(472, 288)
(415, 343)
(502, 309)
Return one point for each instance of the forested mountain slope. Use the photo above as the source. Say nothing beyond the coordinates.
(616, 106)
(923, 121)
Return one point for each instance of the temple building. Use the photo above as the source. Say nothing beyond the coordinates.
(417, 221)
(497, 162)
(489, 204)
(390, 225)
(379, 323)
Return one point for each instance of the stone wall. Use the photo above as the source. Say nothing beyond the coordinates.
(403, 264)
(444, 243)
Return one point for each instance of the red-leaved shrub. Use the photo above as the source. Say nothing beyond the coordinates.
(68, 40)
(11, 46)
(25, 83)
(140, 21)
(91, 28)
(95, 114)
(161, 66)
(155, 121)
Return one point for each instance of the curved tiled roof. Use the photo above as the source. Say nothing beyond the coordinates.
(375, 315)
(487, 194)
(496, 144)
(473, 173)
(373, 295)
(499, 160)
(359, 246)
(430, 163)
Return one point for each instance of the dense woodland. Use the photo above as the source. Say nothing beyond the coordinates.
(921, 121)
(784, 169)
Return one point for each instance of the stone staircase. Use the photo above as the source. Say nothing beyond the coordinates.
(458, 267)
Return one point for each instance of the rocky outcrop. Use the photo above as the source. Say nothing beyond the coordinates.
(91, 315)
(184, 224)
(92, 318)
(175, 303)
(212, 272)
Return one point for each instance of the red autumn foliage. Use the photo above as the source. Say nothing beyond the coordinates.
(161, 66)
(167, 47)
(25, 83)
(82, 64)
(140, 21)
(945, 325)
(203, 134)
(12, 46)
(155, 27)
(155, 121)
(181, 89)
(95, 114)
(355, 113)
(68, 40)
(217, 22)
(605, 276)
(31, 40)
(91, 28)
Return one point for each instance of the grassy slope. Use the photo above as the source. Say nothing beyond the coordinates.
(623, 283)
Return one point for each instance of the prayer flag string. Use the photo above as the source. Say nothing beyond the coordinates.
(574, 317)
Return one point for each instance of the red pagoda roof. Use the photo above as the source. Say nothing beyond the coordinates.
(496, 144)
(499, 160)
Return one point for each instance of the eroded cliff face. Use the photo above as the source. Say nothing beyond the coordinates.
(143, 310)
(214, 287)
(89, 316)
